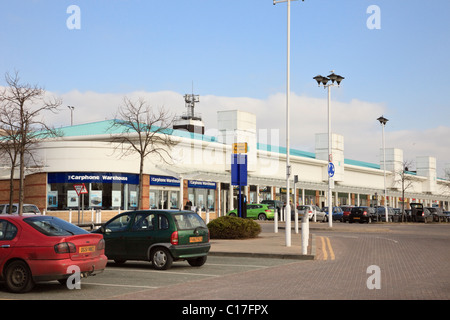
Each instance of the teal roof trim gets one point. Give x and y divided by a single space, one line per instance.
106 127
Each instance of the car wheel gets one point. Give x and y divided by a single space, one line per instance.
232 214
161 259
120 261
197 262
262 216
18 277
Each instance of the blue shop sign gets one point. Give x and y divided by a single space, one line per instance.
164 181
201 184
92 177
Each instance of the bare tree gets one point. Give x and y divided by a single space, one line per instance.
144 131
21 105
402 176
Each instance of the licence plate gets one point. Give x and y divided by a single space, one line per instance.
356 218
87 249
195 239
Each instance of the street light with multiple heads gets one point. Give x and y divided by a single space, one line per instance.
288 167
71 114
383 122
324 81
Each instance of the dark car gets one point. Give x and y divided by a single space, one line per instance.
362 214
346 212
381 214
419 213
159 236
438 214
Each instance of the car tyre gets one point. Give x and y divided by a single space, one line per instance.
18 277
161 258
197 262
120 261
262 216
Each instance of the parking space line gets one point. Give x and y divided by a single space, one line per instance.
118 285
169 272
236 265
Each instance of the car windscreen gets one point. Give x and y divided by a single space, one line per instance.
188 220
52 226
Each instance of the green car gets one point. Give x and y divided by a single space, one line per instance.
256 211
158 236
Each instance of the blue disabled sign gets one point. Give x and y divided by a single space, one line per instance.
331 169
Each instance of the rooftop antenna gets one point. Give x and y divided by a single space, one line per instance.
191 100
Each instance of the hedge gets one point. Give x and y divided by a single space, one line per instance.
233 228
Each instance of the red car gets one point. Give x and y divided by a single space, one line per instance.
44 248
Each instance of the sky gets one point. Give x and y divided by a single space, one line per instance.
233 54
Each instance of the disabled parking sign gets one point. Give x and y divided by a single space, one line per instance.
331 169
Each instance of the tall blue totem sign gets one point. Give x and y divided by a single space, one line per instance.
239 174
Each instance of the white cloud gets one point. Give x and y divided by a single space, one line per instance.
355 120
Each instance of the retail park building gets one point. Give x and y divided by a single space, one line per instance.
199 171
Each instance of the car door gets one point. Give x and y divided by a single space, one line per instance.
141 236
114 233
9 235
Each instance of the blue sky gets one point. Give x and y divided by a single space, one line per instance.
237 49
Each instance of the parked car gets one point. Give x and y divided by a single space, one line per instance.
28 209
362 214
276 204
158 236
447 215
42 248
381 214
438 214
311 210
346 212
256 211
337 213
419 213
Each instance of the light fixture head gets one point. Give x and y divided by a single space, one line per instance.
318 78
382 120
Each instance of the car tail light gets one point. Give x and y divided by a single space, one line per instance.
101 244
365 213
65 247
174 238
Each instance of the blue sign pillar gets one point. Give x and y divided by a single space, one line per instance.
239 175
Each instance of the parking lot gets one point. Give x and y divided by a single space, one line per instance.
127 280
413 261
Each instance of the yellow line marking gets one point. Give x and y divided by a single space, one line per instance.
324 249
331 249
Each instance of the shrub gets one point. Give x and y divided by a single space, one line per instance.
233 228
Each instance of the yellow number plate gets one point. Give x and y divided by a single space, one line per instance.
87 249
195 239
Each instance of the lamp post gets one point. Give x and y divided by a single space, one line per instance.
288 167
71 114
383 122
323 81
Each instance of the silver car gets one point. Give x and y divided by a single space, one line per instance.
28 209
312 211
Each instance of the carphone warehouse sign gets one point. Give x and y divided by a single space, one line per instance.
92 177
